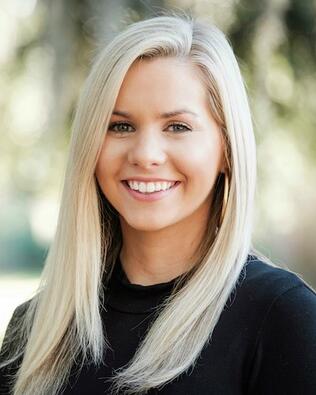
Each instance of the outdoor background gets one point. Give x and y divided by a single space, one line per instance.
45 52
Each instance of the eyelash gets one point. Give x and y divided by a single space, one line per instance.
112 125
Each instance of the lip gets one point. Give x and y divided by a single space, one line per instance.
146 179
149 197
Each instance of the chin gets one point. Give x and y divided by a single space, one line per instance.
151 224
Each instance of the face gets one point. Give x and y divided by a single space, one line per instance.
144 144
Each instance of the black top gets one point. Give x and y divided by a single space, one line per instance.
264 342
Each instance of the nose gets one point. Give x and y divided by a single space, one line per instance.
147 150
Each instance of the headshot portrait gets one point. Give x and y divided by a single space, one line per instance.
153 282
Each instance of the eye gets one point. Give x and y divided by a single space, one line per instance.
115 127
181 125
123 130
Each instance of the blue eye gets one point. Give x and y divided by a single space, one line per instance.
112 126
182 126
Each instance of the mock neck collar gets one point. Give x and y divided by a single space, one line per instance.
135 298
126 297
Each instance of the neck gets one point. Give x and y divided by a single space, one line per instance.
153 257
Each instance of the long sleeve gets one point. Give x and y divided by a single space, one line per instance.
285 357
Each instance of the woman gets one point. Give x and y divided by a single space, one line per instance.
152 284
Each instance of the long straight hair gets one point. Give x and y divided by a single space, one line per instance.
62 323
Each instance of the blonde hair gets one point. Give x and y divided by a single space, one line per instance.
62 322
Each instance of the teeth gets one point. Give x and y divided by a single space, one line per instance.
149 187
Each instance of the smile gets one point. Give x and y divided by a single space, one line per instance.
147 191
149 187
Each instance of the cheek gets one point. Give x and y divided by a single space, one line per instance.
201 162
100 170
107 162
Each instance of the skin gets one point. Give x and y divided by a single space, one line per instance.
160 237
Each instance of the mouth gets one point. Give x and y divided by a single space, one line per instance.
161 190
149 196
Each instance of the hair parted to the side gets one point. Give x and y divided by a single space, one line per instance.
62 323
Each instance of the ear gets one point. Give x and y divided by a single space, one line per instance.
223 168
224 164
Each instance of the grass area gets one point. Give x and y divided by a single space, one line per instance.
14 290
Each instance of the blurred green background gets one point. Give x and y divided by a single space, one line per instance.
45 53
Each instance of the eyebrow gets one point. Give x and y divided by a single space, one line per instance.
161 115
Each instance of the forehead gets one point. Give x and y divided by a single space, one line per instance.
163 78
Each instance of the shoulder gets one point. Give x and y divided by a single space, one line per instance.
14 323
288 299
269 298
284 352
19 312
263 283
21 309
12 347
284 296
